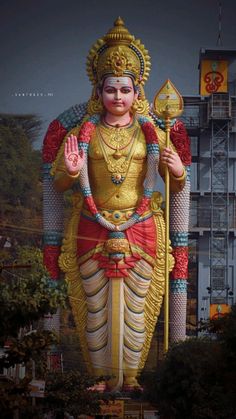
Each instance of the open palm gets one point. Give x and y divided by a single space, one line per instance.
74 159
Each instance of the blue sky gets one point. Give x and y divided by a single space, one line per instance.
45 45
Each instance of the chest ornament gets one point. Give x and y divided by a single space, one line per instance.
119 140
118 172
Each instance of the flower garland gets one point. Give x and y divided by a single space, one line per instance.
85 135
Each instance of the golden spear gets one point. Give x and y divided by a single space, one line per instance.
168 104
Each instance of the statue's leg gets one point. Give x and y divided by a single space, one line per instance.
135 290
96 287
105 322
116 332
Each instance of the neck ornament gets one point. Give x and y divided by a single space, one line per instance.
118 139
117 125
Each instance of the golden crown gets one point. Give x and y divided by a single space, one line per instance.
118 53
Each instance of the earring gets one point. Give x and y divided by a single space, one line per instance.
134 106
140 106
95 105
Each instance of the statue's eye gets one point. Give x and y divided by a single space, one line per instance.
110 90
125 90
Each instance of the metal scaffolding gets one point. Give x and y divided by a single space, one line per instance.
219 116
211 124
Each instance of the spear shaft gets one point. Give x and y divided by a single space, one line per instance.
168 104
167 234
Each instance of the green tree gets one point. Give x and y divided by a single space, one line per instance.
72 392
20 167
20 179
30 124
26 295
197 378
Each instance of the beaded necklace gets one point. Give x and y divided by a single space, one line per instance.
85 135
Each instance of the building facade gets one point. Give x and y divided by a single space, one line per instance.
210 119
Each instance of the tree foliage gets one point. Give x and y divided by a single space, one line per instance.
72 392
20 167
197 378
20 178
26 295
29 123
13 396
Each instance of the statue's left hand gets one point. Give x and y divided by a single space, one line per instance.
172 160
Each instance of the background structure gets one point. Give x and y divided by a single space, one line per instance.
211 123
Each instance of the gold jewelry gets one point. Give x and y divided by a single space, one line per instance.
116 217
140 106
117 246
95 105
73 176
117 125
182 177
119 138
117 164
120 54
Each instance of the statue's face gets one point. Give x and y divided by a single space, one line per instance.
118 95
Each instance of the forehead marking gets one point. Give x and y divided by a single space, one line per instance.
121 80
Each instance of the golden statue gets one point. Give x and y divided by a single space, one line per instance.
113 252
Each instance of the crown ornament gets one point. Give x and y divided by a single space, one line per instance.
118 53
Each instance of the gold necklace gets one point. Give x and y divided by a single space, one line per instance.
119 138
117 125
117 164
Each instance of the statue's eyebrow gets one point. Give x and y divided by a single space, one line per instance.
120 87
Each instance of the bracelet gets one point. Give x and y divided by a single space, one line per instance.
73 176
182 177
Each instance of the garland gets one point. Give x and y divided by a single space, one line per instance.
85 135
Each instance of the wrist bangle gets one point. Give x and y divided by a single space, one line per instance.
73 176
182 177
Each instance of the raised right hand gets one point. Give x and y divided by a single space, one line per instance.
74 159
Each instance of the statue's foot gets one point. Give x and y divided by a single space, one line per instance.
130 384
